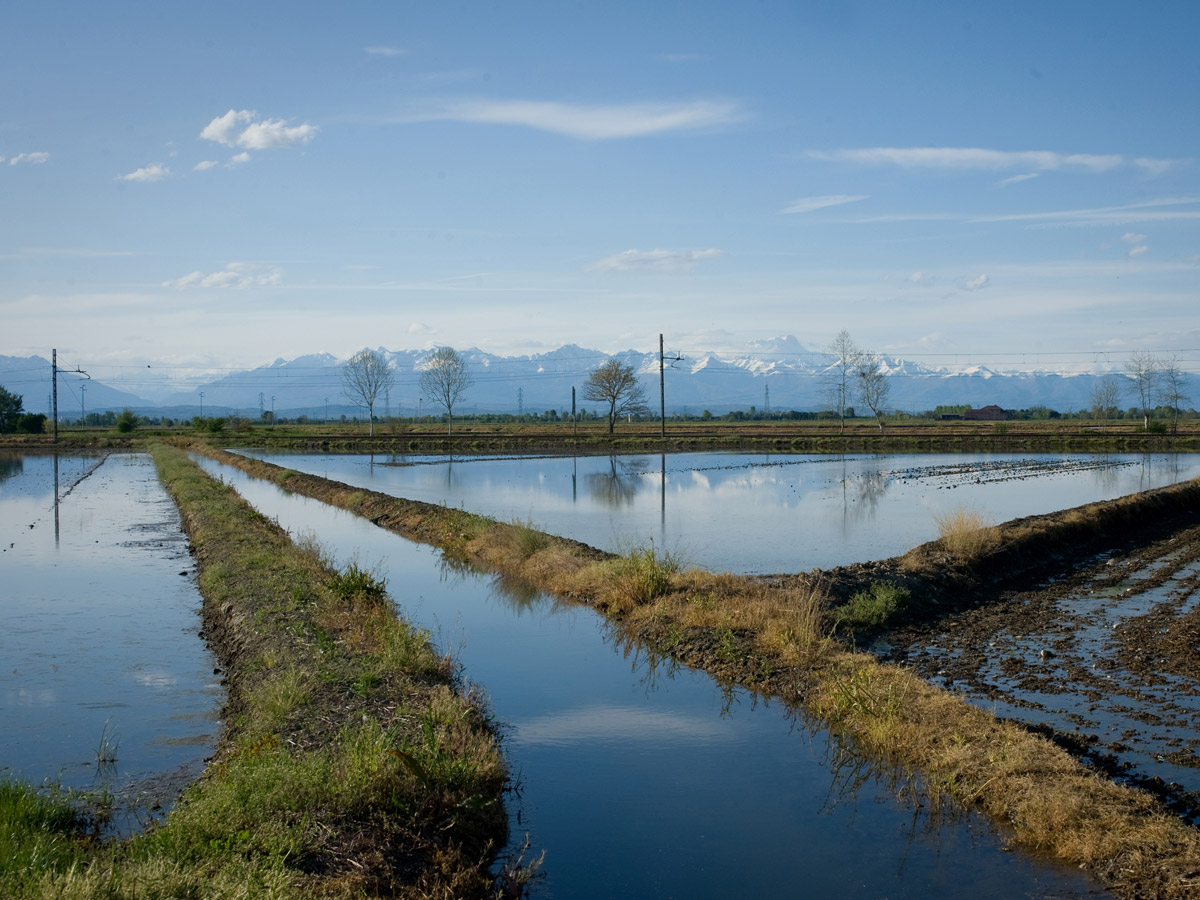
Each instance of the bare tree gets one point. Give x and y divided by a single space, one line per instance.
1143 370
872 384
444 378
365 376
839 376
1172 386
615 384
1106 394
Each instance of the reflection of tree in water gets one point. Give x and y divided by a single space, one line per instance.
1105 474
10 466
861 494
619 485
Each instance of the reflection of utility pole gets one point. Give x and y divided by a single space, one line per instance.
663 515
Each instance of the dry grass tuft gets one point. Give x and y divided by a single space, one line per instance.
966 532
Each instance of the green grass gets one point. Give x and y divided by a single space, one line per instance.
873 607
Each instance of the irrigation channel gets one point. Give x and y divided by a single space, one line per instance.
105 685
642 779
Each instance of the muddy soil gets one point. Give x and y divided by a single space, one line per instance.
1102 655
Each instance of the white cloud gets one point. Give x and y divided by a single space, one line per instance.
589 123
922 278
808 204
976 283
1017 179
965 158
205 165
155 172
242 128
1155 167
236 275
1139 250
1130 237
32 158
653 260
383 51
238 158
420 328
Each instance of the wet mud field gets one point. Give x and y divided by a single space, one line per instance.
1103 657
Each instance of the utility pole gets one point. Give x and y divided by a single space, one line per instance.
326 410
574 420
54 395
662 391
202 406
520 402
83 404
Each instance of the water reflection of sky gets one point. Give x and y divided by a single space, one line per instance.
98 630
643 780
753 512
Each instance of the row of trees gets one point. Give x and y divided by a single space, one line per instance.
1153 381
444 379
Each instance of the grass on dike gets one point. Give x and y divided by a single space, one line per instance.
778 637
352 765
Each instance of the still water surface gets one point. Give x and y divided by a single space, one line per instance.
99 631
641 781
752 513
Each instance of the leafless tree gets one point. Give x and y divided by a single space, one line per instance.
444 378
615 384
1143 369
1172 387
839 376
1106 394
872 384
365 376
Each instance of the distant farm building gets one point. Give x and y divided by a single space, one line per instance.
986 414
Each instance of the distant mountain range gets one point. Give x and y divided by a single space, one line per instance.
778 375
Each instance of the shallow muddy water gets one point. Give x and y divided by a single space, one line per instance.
752 513
104 681
641 780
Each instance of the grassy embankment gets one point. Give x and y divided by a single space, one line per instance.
351 764
859 436
774 635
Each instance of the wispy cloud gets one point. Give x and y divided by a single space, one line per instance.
33 159
237 276
652 260
243 128
1146 211
205 165
589 123
1139 250
383 51
1154 167
922 278
238 158
976 284
966 158
155 172
1131 237
1017 179
808 204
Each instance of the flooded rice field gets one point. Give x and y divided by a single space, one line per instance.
1108 656
751 513
642 779
104 683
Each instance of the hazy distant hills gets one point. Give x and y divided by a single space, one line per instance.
779 374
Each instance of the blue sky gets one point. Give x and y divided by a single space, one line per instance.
223 184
